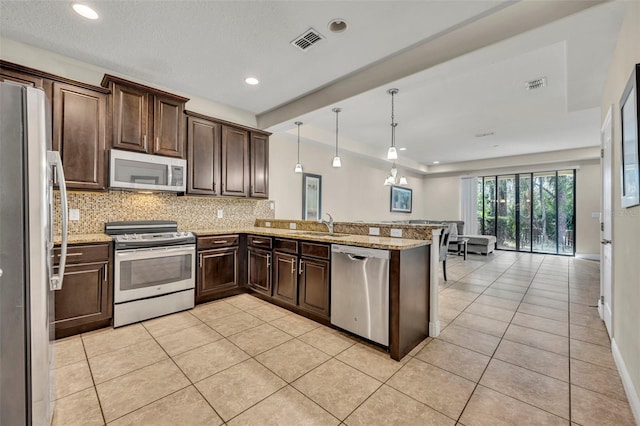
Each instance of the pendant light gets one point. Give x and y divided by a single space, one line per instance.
298 168
392 179
336 160
392 154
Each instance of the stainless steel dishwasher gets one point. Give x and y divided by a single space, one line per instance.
360 291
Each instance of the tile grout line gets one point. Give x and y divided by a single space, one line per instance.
95 387
495 350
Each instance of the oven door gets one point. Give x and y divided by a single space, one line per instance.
142 273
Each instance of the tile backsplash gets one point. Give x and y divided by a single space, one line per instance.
96 208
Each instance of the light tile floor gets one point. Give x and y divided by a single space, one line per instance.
521 344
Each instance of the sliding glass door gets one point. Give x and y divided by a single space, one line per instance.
506 211
544 238
531 212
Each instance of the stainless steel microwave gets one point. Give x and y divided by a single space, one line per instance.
144 172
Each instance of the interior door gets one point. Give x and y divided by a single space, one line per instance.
605 305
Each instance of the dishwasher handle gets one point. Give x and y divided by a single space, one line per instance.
356 257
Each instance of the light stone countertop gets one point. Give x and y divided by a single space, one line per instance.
84 238
388 243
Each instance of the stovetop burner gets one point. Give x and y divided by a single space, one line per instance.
146 234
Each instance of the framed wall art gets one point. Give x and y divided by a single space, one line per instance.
630 164
311 197
401 199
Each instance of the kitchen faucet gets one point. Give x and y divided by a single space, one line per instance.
329 223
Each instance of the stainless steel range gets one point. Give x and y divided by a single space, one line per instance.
154 270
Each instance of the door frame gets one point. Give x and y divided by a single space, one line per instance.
605 307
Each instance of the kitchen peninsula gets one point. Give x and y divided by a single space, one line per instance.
291 268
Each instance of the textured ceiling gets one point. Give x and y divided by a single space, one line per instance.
207 48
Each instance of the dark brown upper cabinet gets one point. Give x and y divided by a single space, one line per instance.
203 156
168 126
259 165
21 75
235 162
80 123
146 119
130 109
79 134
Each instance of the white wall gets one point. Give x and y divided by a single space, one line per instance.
63 66
442 197
353 192
446 190
626 222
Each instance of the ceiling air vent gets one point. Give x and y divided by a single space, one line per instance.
538 83
307 39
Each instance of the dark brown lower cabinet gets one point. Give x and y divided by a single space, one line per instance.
285 277
259 270
313 293
218 273
85 301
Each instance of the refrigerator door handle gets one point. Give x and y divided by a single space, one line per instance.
53 157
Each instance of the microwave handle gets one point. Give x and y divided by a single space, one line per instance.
170 176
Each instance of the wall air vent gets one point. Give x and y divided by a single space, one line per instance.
538 83
307 39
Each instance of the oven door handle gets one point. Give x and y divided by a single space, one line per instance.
130 252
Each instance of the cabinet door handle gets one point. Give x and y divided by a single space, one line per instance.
158 141
201 261
144 141
105 272
293 266
72 254
220 242
300 270
268 261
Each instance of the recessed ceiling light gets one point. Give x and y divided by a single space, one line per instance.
436 162
251 80
338 26
85 11
403 149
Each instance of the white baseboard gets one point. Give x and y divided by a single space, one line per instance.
588 256
600 309
632 393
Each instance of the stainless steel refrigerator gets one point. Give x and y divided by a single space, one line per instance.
27 279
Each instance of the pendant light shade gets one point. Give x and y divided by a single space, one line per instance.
298 168
403 180
392 154
336 160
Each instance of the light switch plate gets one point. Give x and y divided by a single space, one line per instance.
292 225
595 215
220 213
396 233
74 214
374 231
267 224
272 205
